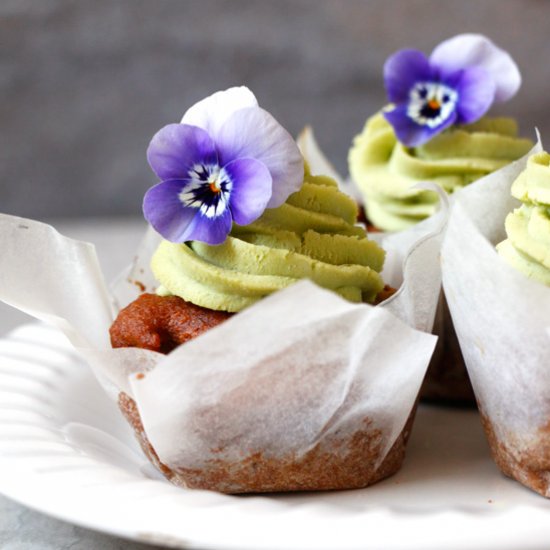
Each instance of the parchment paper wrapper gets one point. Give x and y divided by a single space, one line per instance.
302 377
447 380
501 318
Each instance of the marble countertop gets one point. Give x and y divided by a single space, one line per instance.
20 527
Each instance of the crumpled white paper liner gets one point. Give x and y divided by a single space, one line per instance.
501 317
278 377
418 309
411 253
281 374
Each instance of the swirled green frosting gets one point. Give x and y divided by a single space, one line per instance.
313 235
385 170
527 247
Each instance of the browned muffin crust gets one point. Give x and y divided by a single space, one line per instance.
336 463
387 292
530 465
161 323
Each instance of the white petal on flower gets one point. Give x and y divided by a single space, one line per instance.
215 210
467 50
255 133
188 196
211 112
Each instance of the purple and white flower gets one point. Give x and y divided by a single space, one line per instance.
227 161
457 84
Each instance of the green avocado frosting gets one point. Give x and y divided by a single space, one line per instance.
385 170
313 235
527 247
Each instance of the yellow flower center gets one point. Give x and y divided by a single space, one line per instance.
214 187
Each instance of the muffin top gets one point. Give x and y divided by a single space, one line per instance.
312 235
242 216
385 170
527 247
435 129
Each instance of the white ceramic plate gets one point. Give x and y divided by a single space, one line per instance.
66 451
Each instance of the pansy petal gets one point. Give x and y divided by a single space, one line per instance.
251 189
468 50
164 210
175 148
475 95
402 71
254 133
213 111
208 230
410 133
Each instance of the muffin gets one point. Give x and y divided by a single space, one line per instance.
312 235
209 275
436 130
300 390
505 344
526 248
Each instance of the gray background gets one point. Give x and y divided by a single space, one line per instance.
84 85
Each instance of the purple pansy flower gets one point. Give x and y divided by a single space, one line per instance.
456 85
227 161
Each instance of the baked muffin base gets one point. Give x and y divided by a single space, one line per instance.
336 463
530 466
